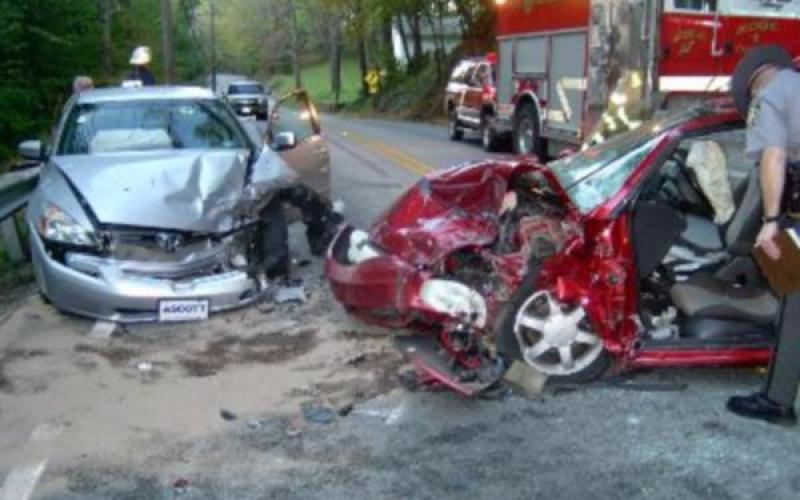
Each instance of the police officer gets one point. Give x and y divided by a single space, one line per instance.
765 88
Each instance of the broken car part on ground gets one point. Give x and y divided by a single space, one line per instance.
615 254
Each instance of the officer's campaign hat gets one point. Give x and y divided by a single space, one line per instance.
755 59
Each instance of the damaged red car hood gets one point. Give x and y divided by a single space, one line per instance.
450 209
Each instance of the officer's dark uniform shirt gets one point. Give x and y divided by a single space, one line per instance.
774 117
143 75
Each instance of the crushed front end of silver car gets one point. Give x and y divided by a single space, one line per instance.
208 213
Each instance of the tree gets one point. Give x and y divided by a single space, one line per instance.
167 36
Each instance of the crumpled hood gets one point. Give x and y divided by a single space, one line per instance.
447 210
189 190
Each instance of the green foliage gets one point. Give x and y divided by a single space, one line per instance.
46 43
316 80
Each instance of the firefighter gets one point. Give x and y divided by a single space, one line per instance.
764 87
140 75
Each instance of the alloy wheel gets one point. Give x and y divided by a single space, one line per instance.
553 338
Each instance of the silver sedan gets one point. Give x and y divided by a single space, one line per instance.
154 203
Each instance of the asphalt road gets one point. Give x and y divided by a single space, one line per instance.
82 423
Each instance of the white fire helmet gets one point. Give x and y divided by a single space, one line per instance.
141 56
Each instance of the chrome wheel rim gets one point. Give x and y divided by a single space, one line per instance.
553 338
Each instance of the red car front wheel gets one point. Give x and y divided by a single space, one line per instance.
554 338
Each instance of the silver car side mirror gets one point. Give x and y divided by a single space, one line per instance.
31 150
284 141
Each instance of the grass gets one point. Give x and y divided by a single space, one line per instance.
316 80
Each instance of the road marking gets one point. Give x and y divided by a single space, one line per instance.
406 161
21 481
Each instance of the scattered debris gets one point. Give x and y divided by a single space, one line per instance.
286 294
295 426
254 425
181 484
144 369
345 409
525 379
227 415
318 414
356 359
103 330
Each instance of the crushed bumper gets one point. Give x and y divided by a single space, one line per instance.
388 290
98 288
381 288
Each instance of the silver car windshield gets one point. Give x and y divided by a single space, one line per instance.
106 127
593 176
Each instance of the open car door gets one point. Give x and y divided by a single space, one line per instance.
295 132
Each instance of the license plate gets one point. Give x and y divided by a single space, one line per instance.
183 310
246 109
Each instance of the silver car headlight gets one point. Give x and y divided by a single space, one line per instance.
56 225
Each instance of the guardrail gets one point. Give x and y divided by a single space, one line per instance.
15 189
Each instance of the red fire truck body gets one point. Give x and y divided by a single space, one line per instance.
567 67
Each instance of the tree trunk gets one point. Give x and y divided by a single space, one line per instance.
298 80
336 60
437 54
416 35
362 64
166 33
106 14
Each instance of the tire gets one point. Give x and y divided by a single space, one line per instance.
488 135
596 362
526 130
261 117
454 130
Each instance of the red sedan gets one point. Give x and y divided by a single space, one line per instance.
635 252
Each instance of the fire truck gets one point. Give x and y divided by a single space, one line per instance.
570 71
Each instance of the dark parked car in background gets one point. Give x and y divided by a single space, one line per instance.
248 98
470 99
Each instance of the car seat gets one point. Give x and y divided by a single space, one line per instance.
704 243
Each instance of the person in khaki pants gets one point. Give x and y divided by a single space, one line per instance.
765 88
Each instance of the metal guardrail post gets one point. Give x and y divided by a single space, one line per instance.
15 189
11 240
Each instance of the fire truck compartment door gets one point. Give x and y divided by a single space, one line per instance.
567 83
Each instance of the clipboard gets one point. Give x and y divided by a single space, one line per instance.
783 274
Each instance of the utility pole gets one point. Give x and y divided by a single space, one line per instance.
213 51
166 31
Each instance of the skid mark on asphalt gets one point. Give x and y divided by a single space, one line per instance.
402 159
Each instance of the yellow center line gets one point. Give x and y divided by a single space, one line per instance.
405 161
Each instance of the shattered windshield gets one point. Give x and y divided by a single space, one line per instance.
593 176
107 127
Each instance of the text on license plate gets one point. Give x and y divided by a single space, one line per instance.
182 310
